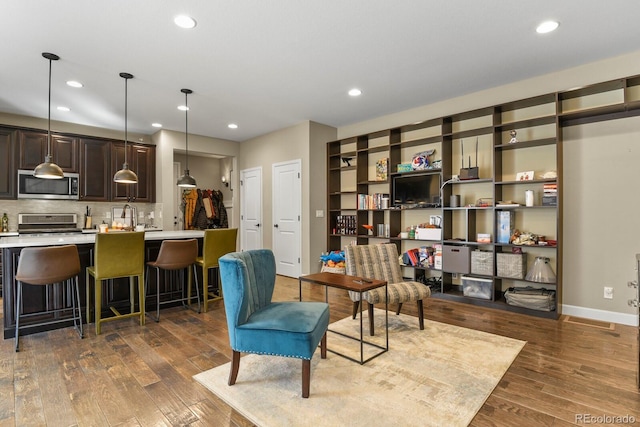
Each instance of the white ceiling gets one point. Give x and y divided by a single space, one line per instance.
266 65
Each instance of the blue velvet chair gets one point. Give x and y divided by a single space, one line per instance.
258 325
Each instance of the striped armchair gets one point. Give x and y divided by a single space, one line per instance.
381 262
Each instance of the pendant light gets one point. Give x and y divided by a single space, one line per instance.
48 169
186 180
125 175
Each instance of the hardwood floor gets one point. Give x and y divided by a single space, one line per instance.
132 375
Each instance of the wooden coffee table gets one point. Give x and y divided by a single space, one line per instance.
355 284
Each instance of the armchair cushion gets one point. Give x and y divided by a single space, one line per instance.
284 329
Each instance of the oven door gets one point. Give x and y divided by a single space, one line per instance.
30 187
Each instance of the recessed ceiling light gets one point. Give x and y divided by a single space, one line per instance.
232 126
156 125
355 92
547 27
64 109
183 108
184 21
74 83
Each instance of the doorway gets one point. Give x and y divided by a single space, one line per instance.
287 213
251 209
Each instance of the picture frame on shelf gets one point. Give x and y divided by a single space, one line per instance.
525 176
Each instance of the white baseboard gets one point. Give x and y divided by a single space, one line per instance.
602 315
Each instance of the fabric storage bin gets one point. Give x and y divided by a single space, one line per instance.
529 297
477 287
512 266
456 259
482 263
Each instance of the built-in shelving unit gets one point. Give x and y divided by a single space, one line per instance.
456 139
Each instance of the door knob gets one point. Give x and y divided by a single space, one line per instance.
633 303
275 225
633 284
257 225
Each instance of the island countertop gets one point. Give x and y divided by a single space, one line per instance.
84 239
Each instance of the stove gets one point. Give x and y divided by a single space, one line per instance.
47 224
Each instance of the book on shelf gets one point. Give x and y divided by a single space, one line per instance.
506 204
372 201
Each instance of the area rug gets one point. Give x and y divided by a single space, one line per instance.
440 376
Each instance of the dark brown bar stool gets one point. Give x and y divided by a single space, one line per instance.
175 256
49 266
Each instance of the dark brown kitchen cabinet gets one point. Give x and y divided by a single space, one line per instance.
8 161
33 148
142 160
65 152
95 170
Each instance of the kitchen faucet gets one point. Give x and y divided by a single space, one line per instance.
124 212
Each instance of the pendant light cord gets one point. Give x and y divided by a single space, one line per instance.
49 119
126 91
186 128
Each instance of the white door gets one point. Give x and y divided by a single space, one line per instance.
287 211
251 209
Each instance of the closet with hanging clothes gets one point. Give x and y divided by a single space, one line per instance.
204 209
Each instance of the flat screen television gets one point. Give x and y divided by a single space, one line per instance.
416 191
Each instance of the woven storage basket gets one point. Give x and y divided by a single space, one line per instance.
337 270
512 266
482 263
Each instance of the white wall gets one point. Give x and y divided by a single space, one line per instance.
295 142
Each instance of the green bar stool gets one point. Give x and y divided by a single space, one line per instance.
45 267
217 242
116 255
175 256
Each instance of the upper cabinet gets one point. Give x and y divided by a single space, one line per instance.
33 149
96 160
8 161
141 160
95 169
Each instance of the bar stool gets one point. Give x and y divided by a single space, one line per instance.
175 256
217 242
117 255
48 266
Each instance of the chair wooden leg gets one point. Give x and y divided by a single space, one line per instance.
399 308
356 306
306 377
235 366
421 314
323 346
205 289
371 331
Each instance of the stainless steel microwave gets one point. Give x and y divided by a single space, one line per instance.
30 187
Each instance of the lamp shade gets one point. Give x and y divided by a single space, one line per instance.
186 180
125 175
48 170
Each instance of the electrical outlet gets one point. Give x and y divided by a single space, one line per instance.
107 215
608 292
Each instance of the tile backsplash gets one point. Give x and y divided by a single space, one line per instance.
100 211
